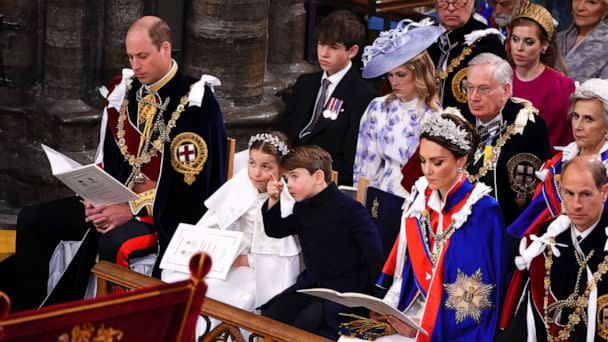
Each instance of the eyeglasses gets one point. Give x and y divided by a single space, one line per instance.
481 90
456 3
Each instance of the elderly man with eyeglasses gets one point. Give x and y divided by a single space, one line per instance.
513 137
463 39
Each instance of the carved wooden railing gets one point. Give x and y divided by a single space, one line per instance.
109 275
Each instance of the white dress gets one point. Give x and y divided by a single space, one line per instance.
388 137
274 263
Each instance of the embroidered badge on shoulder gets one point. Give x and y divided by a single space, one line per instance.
520 169
602 317
469 296
457 87
188 155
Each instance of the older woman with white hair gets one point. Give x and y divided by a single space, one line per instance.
584 44
589 118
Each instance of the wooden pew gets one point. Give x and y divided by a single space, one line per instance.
109 274
7 243
231 147
387 9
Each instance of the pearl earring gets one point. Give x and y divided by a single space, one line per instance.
459 170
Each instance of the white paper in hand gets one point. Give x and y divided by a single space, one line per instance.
222 246
89 182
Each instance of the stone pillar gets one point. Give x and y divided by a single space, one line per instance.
287 29
228 39
286 44
66 50
119 15
18 43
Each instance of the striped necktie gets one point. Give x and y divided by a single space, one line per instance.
318 109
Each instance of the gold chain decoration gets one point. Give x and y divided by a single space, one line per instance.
578 302
487 164
145 155
438 239
455 63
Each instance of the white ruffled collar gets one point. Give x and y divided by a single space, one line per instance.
419 201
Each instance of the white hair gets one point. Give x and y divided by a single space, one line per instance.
592 89
503 73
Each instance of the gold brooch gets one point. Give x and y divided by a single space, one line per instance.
188 155
457 91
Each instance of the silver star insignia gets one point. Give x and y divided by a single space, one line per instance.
469 296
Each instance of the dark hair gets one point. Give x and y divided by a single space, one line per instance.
551 57
160 32
311 158
269 148
597 169
341 27
471 135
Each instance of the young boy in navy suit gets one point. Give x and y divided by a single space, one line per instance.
341 247
325 107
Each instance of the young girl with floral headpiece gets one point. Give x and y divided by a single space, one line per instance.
265 266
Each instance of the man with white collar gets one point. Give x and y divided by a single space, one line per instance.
566 296
163 136
513 138
464 38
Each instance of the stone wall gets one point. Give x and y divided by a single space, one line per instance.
55 55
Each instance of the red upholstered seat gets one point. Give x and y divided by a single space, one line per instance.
167 312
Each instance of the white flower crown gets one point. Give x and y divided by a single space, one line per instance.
270 139
438 126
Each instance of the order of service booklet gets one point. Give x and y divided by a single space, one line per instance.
222 246
354 300
90 182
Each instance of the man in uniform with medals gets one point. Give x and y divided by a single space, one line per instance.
463 39
513 137
163 136
566 296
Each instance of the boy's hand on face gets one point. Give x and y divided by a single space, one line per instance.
274 188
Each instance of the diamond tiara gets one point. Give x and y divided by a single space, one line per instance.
438 126
270 139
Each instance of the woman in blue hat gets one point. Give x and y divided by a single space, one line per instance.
390 127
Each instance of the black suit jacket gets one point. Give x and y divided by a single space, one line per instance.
341 246
450 89
525 150
338 137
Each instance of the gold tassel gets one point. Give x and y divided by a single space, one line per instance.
366 328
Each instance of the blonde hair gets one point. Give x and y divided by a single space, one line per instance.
423 70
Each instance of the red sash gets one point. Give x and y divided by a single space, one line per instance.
132 140
430 281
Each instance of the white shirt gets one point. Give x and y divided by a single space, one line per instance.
334 80
582 235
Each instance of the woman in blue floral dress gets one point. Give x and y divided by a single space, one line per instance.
390 127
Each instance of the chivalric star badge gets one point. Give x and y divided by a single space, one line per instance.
469 296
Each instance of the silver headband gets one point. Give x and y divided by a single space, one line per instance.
270 139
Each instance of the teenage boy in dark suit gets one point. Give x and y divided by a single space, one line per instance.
325 107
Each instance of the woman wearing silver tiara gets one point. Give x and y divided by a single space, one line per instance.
265 266
390 127
447 269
